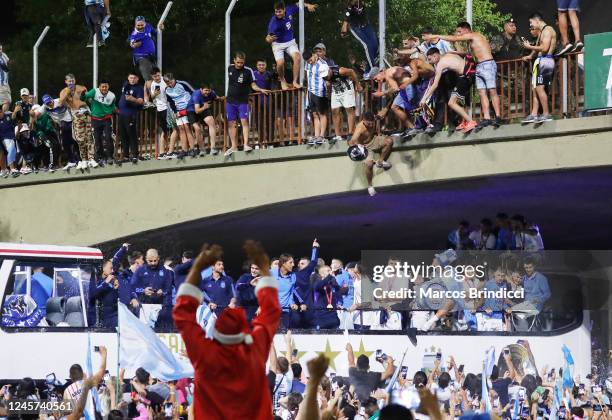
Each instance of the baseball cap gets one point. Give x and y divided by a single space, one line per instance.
24 127
24 91
510 20
47 98
320 46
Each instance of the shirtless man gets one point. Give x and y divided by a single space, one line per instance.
543 67
486 70
463 67
408 81
70 97
364 135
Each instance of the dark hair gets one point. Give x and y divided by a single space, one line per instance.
349 411
529 383
294 400
75 372
518 218
69 76
530 260
240 54
444 380
471 383
296 368
279 5
501 215
363 362
283 364
577 411
427 30
464 223
261 59
25 388
115 415
169 76
283 258
370 401
102 81
135 255
419 378
143 376
155 70
432 51
464 25
536 15
205 85
188 254
133 73
486 222
395 412
369 116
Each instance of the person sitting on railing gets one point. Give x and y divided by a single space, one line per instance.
200 112
178 94
543 68
486 70
565 9
142 42
280 35
365 135
464 69
218 289
507 45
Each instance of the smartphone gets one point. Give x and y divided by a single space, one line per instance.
521 394
506 350
581 386
50 378
461 368
168 409
596 407
332 375
107 376
562 413
97 349
404 372
595 389
439 356
294 353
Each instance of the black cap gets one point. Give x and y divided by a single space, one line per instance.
510 20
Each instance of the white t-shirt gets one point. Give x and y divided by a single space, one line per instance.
483 241
282 387
57 112
160 101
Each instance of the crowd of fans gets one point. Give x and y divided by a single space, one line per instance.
75 130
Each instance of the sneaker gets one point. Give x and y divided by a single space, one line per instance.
384 164
469 126
4 173
214 152
228 152
567 48
544 118
432 129
319 141
110 162
15 173
247 148
69 165
51 169
482 124
529 119
92 163
371 191
181 155
192 153
409 134
134 160
497 122
202 153
578 47
25 170
311 141
170 155
161 156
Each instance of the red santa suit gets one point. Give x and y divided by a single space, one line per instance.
230 379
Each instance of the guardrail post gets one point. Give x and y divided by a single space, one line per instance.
564 87
228 34
95 61
160 34
35 62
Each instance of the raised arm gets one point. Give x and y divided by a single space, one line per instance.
452 38
309 407
432 88
273 359
350 355
389 369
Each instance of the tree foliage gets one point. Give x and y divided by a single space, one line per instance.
194 35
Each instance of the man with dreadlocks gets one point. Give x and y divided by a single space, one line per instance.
408 80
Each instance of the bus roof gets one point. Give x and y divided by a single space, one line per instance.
54 251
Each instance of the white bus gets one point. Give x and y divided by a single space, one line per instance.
45 327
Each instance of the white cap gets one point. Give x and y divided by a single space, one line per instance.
24 91
23 127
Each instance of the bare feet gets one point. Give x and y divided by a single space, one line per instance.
285 85
297 85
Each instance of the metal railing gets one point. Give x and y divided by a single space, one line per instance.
276 119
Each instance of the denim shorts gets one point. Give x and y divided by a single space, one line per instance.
564 5
486 74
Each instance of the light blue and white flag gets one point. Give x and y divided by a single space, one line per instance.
206 318
487 368
568 369
396 373
89 412
139 346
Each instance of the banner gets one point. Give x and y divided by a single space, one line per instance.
598 71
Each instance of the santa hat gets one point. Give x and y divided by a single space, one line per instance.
232 327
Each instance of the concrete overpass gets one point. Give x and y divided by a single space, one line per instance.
109 203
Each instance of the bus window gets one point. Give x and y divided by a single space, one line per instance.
47 294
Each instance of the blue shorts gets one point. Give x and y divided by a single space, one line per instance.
406 98
565 5
486 74
237 111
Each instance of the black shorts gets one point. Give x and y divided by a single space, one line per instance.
317 103
198 118
162 120
462 89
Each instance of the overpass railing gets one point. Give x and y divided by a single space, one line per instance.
276 119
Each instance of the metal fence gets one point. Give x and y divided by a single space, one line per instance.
280 118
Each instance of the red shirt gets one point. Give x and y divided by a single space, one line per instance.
230 380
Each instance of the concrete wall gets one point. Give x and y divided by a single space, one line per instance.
88 208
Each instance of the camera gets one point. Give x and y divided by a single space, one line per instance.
439 356
521 394
404 372
506 350
97 349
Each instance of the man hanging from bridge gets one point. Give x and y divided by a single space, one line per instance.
233 363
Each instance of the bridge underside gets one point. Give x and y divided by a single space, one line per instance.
571 207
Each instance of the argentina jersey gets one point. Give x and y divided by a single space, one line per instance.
180 94
317 73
